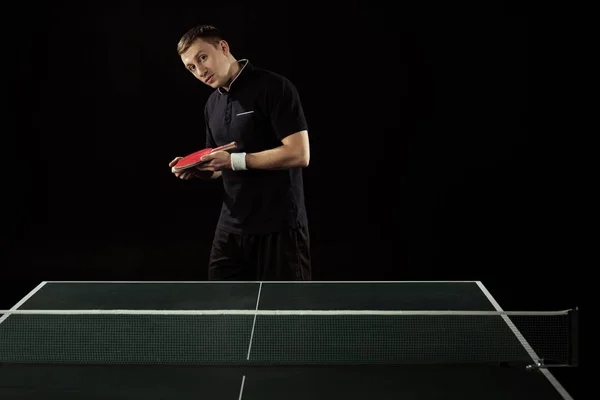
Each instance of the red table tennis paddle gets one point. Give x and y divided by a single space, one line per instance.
193 159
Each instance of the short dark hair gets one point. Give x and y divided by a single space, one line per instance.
206 32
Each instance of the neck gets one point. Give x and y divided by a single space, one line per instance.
233 72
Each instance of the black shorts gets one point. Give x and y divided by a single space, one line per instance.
283 256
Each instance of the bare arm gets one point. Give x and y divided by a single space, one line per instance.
294 152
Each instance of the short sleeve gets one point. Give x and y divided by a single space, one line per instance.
285 108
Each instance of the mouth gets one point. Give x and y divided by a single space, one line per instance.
209 78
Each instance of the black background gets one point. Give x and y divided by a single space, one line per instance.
426 160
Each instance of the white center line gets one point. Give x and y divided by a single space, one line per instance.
254 322
242 387
251 336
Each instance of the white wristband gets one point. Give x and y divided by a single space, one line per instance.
238 161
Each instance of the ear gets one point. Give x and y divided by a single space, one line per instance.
224 46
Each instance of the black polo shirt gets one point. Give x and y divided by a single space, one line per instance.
259 110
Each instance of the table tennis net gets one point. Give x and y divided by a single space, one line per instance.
272 337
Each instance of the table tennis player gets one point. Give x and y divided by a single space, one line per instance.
262 231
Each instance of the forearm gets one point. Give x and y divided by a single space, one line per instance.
278 158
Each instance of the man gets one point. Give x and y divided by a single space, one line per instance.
262 232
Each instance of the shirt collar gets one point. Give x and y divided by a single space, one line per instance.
244 66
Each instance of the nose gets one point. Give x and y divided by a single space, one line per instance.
201 73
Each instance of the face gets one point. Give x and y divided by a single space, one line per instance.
208 63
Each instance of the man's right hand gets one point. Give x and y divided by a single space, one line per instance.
190 173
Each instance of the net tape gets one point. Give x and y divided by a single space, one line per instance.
281 312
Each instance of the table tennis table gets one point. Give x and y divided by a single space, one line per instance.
277 340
